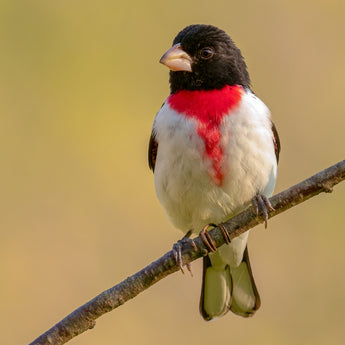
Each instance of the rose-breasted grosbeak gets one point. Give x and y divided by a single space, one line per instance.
213 150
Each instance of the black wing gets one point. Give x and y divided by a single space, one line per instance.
152 154
276 141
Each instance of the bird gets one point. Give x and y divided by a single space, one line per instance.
214 151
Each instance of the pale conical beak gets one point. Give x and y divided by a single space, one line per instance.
177 59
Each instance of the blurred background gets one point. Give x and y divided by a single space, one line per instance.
80 85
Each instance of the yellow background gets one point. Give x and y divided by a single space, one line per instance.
80 84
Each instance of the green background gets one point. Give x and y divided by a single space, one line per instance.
80 84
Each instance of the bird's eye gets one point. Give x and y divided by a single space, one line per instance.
206 53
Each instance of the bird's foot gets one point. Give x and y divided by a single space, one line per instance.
177 250
225 233
206 238
262 206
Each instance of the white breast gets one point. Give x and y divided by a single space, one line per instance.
250 156
183 181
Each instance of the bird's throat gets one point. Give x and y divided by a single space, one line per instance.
209 108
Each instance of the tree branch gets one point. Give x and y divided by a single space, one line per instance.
84 317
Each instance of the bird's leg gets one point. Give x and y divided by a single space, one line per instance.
262 204
177 250
206 238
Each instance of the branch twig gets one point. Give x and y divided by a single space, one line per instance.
84 317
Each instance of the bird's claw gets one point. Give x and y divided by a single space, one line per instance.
206 238
225 233
262 206
177 251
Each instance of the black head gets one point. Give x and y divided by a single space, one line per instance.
204 57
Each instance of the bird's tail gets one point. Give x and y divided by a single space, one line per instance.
226 288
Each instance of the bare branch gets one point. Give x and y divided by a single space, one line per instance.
84 317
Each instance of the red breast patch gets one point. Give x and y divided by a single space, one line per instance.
208 108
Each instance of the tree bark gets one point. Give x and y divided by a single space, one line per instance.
84 317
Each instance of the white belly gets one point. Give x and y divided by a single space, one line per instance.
183 179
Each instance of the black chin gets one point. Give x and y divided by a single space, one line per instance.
189 81
192 81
